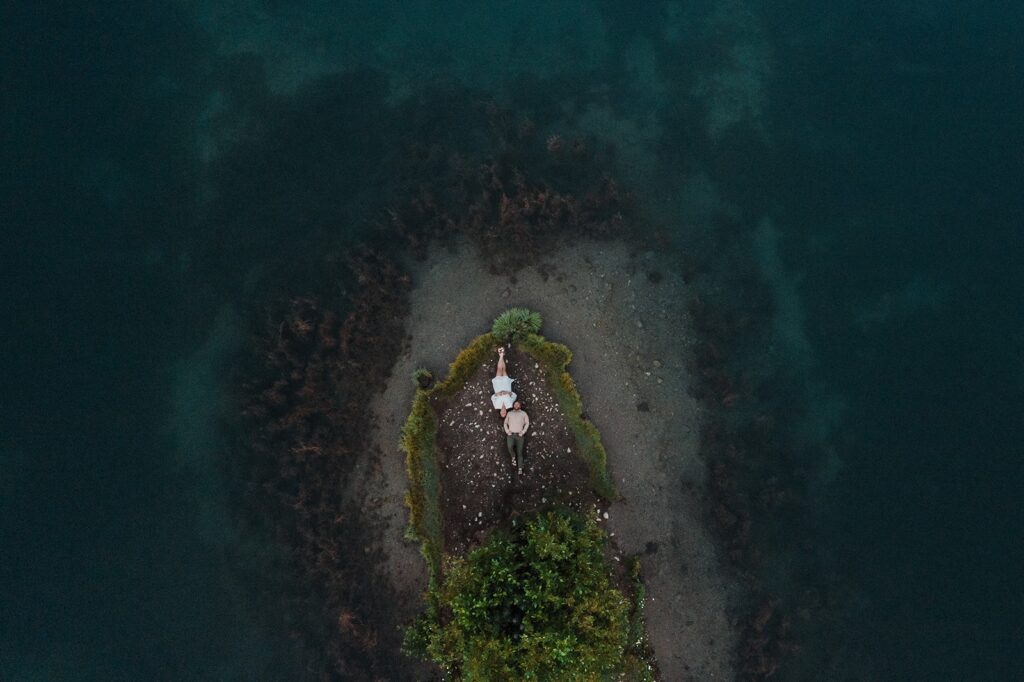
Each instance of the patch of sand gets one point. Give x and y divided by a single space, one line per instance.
624 316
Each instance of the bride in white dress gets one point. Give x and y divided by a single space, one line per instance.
504 396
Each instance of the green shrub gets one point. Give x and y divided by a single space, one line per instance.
422 378
533 603
515 324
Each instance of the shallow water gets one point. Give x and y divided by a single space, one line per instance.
870 150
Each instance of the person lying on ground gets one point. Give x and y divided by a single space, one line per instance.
516 424
503 397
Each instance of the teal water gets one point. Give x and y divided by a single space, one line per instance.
904 209
875 146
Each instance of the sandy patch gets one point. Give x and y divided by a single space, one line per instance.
624 315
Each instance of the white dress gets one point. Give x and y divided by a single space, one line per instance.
502 384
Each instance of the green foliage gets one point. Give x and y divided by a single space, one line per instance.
515 324
533 603
554 358
416 639
422 377
424 494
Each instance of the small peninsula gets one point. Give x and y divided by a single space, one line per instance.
634 386
523 578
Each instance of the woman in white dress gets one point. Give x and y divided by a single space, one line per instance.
503 396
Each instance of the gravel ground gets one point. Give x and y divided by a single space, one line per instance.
479 486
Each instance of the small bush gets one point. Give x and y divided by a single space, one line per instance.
422 378
515 324
533 603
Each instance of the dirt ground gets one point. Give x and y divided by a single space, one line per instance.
624 315
479 485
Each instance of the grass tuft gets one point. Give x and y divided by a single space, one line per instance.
422 378
515 324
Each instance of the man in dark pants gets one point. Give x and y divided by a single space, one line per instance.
516 424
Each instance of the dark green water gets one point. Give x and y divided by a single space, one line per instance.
903 127
880 145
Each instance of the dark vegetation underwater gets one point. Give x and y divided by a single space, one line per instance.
893 177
